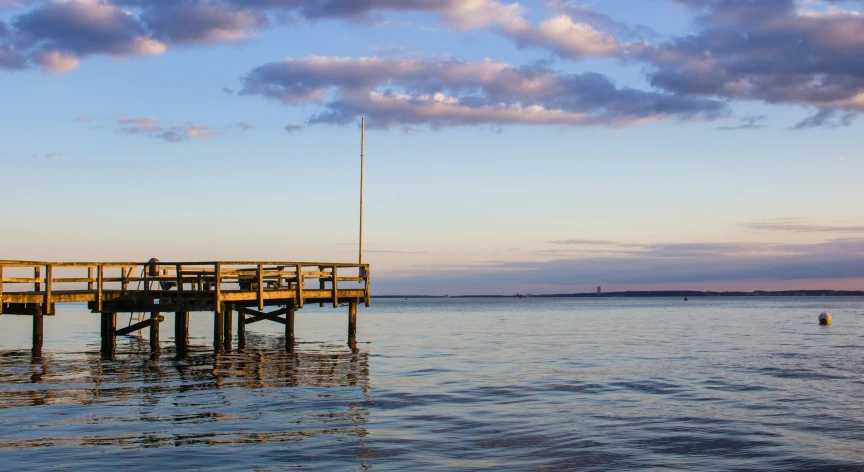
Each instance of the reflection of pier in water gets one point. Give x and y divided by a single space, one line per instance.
321 389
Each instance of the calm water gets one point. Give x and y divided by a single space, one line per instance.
510 384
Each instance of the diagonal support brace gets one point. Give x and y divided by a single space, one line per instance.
261 316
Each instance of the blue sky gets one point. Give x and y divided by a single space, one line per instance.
541 146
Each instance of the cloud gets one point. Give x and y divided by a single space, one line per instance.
748 122
661 263
16 3
57 34
565 38
152 127
245 125
294 128
396 252
200 22
10 58
228 90
827 118
843 159
441 92
82 119
769 51
585 242
52 154
796 226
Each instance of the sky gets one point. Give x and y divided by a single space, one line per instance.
543 146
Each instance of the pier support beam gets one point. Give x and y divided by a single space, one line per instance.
181 332
218 330
38 330
229 335
352 320
109 327
289 327
155 318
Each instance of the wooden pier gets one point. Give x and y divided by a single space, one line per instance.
221 288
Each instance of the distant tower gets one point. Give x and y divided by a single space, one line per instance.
599 290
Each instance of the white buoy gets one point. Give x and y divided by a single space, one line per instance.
825 318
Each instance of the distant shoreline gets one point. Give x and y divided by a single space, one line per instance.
658 294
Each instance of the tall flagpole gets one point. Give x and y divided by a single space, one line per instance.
362 158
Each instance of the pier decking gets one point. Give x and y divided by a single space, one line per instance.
222 288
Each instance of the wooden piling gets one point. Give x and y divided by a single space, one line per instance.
109 326
289 327
229 335
241 330
181 332
218 330
352 319
38 330
154 331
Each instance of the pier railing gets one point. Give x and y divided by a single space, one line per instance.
31 285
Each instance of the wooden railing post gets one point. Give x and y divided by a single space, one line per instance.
366 293
1 289
335 288
99 282
260 287
179 284
46 308
37 274
321 283
218 282
89 278
299 286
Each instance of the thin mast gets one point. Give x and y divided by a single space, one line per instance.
362 158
